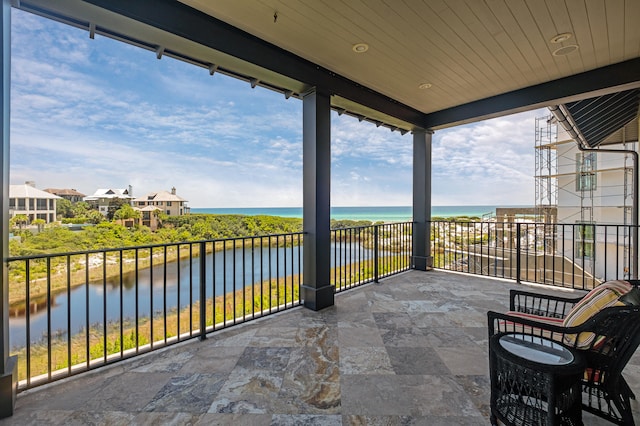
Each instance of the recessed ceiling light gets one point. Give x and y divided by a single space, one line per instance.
424 86
360 47
560 38
562 51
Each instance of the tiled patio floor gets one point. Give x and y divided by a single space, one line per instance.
411 350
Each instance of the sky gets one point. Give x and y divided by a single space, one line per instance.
89 114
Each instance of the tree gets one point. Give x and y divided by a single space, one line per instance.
20 220
114 206
64 208
39 223
81 209
126 212
94 216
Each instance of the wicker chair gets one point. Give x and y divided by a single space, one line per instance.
605 392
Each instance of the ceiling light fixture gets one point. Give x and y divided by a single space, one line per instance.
360 47
424 86
565 50
560 38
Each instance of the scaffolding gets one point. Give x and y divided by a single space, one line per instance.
546 168
584 187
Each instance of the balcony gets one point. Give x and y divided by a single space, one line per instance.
411 349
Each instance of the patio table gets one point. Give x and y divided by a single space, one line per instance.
534 381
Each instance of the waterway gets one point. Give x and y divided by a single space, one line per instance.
153 288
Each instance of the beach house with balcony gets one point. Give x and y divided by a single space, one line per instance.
153 204
169 203
32 202
72 195
104 197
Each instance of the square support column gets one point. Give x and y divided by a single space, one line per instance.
422 259
317 291
8 365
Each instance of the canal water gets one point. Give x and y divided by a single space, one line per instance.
152 289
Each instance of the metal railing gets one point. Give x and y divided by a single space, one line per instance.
369 253
567 255
72 312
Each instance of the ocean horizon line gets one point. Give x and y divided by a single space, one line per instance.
371 213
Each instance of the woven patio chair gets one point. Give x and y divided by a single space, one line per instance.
608 339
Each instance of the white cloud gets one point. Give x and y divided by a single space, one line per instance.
99 113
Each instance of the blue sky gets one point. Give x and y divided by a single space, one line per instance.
90 114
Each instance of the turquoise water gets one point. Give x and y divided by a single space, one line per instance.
374 214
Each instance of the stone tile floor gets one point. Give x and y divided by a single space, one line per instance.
411 350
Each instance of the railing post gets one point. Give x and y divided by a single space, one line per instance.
203 290
375 253
518 253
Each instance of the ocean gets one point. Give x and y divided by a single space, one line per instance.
374 214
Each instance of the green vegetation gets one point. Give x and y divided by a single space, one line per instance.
232 307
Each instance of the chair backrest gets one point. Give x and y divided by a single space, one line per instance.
618 336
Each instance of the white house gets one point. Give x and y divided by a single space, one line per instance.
26 199
104 196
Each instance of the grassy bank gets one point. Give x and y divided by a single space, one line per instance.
238 306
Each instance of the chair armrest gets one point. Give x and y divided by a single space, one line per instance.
505 323
541 304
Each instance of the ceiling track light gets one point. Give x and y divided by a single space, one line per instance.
403 132
254 82
92 30
341 111
212 69
361 118
159 52
288 94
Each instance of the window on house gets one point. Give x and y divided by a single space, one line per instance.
42 204
12 203
21 203
168 212
31 203
168 203
586 171
585 241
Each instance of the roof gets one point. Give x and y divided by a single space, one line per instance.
159 196
109 193
28 191
147 208
62 192
425 64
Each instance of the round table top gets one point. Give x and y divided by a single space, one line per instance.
536 349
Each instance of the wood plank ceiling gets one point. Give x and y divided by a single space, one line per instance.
428 63
466 50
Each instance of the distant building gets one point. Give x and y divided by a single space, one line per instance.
154 203
34 203
170 203
68 194
104 196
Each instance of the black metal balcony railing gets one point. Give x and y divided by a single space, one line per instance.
71 312
568 255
